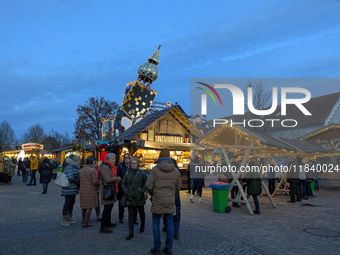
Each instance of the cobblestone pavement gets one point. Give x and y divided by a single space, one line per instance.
30 224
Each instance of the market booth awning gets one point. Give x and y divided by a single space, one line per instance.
237 139
327 137
243 142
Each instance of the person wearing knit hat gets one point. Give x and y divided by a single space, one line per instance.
76 158
164 154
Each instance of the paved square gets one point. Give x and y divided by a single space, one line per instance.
30 224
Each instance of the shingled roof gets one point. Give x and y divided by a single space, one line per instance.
280 143
140 126
320 108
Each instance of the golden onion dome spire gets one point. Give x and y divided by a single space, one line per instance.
148 72
155 57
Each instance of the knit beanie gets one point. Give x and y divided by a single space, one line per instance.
75 158
164 153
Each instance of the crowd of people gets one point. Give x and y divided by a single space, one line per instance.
130 185
26 167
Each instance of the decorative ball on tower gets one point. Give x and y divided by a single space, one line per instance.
148 72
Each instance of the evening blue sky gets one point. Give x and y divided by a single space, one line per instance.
54 55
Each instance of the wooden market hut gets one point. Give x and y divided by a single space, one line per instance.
327 137
84 151
245 143
166 129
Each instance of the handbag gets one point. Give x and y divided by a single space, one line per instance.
62 180
109 192
122 201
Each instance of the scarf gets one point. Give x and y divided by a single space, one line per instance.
114 173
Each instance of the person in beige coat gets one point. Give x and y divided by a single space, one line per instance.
89 186
108 172
11 169
163 183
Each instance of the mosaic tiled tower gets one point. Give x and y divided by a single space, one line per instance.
138 97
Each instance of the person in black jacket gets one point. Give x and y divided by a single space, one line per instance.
121 170
189 179
27 164
45 171
177 216
21 167
293 179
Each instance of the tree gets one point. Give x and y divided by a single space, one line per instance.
34 134
66 139
88 123
59 140
6 135
261 101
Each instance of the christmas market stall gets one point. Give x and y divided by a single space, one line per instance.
327 137
29 149
165 129
245 144
82 150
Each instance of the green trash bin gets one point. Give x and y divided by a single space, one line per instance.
312 185
220 197
60 169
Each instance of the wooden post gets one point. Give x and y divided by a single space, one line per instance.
235 180
268 194
282 183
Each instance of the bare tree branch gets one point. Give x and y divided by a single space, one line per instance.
6 135
88 123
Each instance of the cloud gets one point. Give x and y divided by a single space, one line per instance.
56 59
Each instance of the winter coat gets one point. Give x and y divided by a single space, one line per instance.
72 172
45 171
133 186
177 217
121 170
11 167
107 178
89 186
1 163
293 172
27 163
164 181
55 170
197 177
34 164
21 166
302 173
254 186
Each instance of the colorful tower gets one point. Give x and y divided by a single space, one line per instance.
138 97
